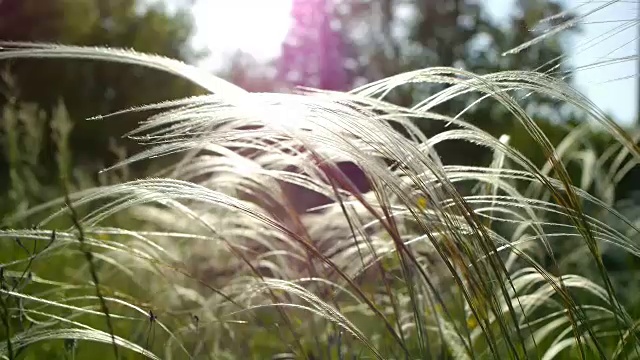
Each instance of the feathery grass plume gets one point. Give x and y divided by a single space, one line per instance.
584 14
224 257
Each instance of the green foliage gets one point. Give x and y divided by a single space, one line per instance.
32 177
88 88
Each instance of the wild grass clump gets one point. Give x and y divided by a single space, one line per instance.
218 259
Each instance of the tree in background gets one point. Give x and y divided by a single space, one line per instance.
244 70
91 88
410 34
316 52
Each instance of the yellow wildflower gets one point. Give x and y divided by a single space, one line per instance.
472 322
103 237
422 202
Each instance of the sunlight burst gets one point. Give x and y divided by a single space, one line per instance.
257 27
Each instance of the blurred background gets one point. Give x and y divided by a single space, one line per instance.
277 45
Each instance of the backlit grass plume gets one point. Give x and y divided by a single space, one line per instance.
616 22
258 243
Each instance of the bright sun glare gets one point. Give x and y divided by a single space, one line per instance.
257 27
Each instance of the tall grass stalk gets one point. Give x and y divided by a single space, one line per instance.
436 260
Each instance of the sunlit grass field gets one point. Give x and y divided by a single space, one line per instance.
212 257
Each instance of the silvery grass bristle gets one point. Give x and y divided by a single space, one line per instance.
583 15
412 268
